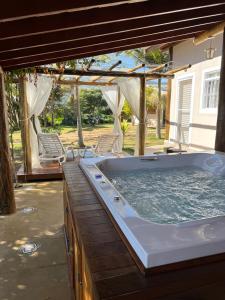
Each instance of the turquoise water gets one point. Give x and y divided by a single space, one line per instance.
171 196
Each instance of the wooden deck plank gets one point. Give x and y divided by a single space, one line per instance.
51 172
109 248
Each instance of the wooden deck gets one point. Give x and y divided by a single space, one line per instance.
102 265
46 172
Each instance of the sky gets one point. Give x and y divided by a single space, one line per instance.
129 62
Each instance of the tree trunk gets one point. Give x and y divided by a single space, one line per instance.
53 120
158 110
7 199
78 116
45 121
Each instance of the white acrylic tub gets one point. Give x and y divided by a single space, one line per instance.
160 244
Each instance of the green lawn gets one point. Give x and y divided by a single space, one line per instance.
68 136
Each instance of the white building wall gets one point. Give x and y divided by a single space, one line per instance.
203 123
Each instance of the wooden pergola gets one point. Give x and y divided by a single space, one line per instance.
107 78
43 32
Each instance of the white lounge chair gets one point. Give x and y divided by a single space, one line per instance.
104 146
105 143
51 148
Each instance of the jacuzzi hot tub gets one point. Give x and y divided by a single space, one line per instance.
185 229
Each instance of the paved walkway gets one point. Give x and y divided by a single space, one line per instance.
42 275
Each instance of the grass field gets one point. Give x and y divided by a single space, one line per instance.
68 137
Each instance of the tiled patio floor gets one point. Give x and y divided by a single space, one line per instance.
42 275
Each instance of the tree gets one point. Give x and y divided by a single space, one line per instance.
54 107
151 98
155 56
93 104
13 103
124 128
76 98
126 111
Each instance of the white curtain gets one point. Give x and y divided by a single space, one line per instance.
38 91
115 103
131 91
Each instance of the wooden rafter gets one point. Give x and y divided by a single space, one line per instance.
89 51
167 46
65 31
27 9
116 31
88 18
110 69
129 71
98 42
70 54
214 31
157 69
178 69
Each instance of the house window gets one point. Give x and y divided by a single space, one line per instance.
211 90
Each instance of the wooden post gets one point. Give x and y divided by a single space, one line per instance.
76 98
142 117
25 127
7 199
168 99
119 99
220 127
158 109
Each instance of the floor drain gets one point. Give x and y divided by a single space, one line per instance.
29 248
28 210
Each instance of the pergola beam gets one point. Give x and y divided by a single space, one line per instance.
116 31
110 69
212 32
89 51
105 73
75 82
